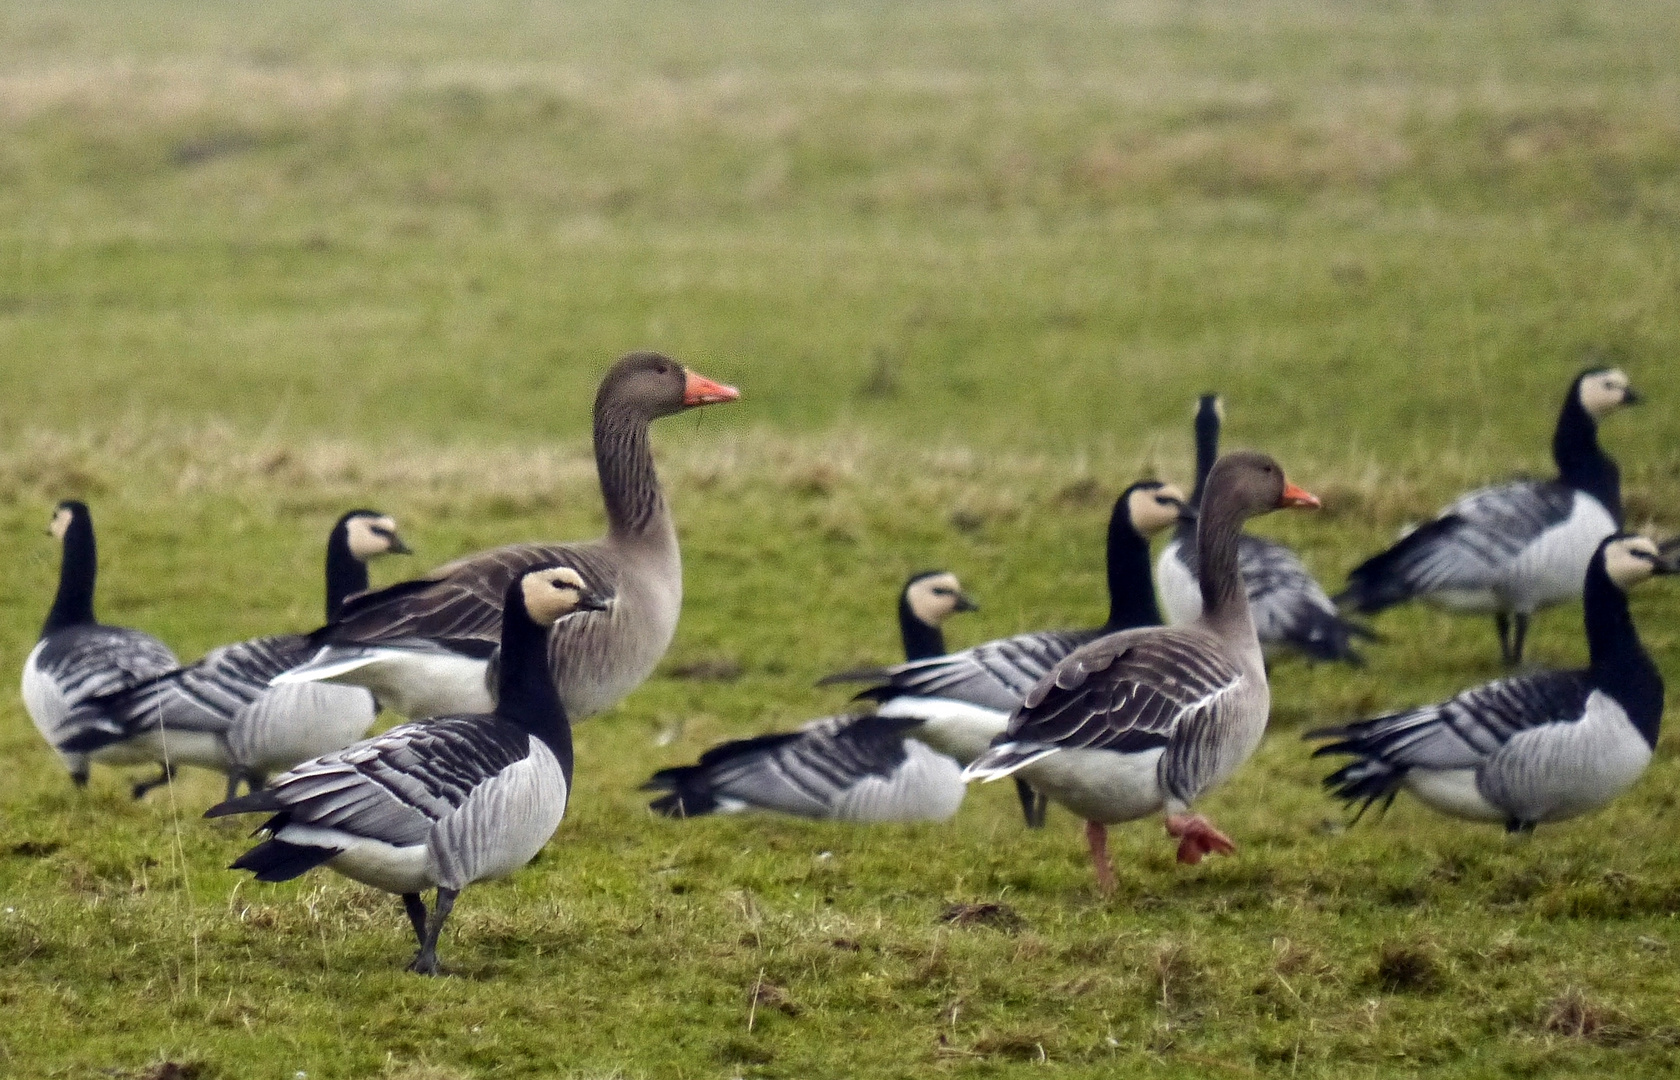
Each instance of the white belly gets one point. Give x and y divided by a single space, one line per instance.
1100 785
956 729
1553 568
418 683
1181 596
1452 792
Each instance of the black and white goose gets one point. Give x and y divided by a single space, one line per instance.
962 701
1531 748
221 713
838 768
77 658
439 803
423 647
1517 547
1152 718
1290 609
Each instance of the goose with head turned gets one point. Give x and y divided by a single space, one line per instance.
1291 611
962 701
442 803
861 769
78 658
1517 547
1152 718
221 713
423 647
1532 748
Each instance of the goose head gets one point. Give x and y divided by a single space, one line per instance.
935 595
553 593
1152 506
653 386
368 533
64 515
1253 483
1630 559
1602 391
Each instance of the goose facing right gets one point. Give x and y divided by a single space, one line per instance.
1152 718
439 803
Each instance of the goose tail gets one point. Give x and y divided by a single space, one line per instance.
1005 759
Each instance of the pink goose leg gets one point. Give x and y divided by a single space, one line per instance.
1096 835
1197 837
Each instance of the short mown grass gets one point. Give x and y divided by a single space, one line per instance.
970 263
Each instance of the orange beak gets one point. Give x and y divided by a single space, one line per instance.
700 390
1297 497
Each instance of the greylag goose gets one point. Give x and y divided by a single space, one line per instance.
221 713
1290 609
423 646
1517 547
1531 748
78 658
1152 718
962 701
439 803
837 768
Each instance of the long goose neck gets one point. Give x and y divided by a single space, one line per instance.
1619 664
1131 586
1581 462
624 462
1218 529
77 572
1207 444
346 574
525 693
920 640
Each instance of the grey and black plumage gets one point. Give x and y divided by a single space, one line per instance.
423 647
1513 548
221 713
439 803
838 768
1290 608
1531 748
77 658
1151 718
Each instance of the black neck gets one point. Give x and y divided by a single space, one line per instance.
1207 452
624 462
1218 530
1581 462
1619 665
346 574
73 606
1131 588
920 640
525 693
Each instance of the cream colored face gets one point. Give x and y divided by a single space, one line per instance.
60 524
1604 392
933 599
1631 560
1154 509
552 594
370 536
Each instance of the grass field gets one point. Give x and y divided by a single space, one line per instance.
970 262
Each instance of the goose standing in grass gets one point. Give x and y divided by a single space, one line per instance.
959 703
423 647
221 713
837 768
1290 609
439 803
1531 748
1517 547
77 658
1152 718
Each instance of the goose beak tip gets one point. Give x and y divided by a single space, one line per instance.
1298 498
699 390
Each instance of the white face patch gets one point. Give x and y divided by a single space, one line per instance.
1604 392
1154 509
1628 562
370 536
60 524
552 594
933 599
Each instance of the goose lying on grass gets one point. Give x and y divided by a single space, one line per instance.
837 768
221 713
440 803
1517 547
1153 718
423 646
1532 748
77 658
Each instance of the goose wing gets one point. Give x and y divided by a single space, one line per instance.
1288 604
82 663
995 675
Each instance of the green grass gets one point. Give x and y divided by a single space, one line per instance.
970 263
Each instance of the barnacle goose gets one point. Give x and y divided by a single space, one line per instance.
1531 748
439 803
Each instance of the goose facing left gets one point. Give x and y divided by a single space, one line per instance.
78 658
440 803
